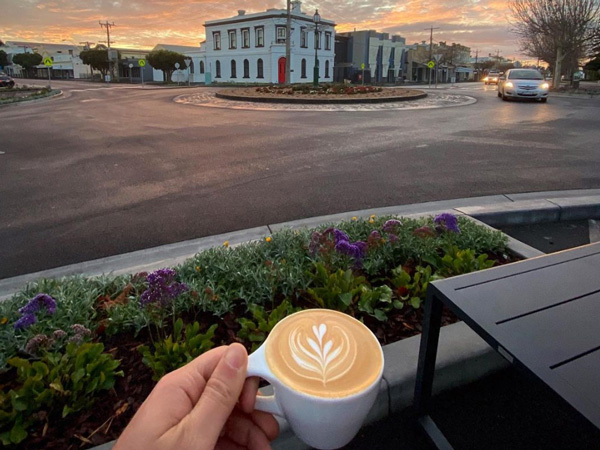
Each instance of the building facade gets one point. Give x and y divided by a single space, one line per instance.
251 48
383 57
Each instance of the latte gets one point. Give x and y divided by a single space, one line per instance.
324 353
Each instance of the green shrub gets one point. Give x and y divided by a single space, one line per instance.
59 383
339 290
177 349
413 290
256 329
378 302
457 262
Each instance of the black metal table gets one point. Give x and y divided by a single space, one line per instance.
542 315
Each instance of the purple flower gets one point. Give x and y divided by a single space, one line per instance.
447 221
391 225
37 302
393 237
348 249
38 342
59 334
362 246
80 330
340 236
375 235
162 288
25 321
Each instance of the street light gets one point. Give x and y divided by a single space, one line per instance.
316 19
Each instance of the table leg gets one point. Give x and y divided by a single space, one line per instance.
428 353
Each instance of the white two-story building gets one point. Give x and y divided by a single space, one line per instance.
250 48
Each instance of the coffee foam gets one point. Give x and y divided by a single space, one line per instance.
324 353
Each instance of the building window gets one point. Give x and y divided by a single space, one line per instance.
192 67
201 66
259 69
246 68
327 41
232 39
246 38
327 69
318 40
303 71
218 69
217 40
280 34
303 38
233 74
260 36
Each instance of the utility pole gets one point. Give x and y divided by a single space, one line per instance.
476 64
431 49
108 26
288 43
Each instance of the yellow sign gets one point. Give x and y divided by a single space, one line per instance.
142 62
48 62
362 66
431 64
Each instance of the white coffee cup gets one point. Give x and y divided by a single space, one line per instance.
327 358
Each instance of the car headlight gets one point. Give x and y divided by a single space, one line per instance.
544 86
486 79
509 84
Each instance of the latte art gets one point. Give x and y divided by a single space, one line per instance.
327 362
324 353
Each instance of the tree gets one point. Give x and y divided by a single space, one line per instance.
27 60
3 58
559 28
165 60
97 59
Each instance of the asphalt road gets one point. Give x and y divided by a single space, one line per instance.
104 171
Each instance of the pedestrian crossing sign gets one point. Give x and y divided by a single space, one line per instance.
48 62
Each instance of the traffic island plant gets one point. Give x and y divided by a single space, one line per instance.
137 328
24 93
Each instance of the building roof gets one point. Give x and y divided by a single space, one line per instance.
268 14
177 48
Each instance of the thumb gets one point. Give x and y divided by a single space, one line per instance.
221 393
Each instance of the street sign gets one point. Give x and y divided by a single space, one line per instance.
437 57
177 65
130 66
48 62
431 64
362 66
142 62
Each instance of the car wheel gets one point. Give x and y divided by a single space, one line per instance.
499 94
504 97
544 100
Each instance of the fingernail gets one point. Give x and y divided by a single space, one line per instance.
235 357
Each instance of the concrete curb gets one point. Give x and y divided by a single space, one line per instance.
318 101
494 210
58 94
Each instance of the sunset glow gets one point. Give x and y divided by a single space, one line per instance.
479 24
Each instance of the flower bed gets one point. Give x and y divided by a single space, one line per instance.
24 93
65 343
322 89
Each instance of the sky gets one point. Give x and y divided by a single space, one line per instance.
479 24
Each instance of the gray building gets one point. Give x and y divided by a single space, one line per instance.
383 57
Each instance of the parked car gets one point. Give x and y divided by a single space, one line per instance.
492 78
524 83
6 81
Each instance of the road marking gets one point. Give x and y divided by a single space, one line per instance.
2 153
504 142
422 145
90 100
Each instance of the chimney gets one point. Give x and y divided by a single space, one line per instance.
241 12
297 7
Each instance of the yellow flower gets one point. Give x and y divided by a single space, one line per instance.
197 268
371 221
226 244
354 219
372 216
4 320
268 239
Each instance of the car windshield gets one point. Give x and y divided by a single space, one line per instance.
525 75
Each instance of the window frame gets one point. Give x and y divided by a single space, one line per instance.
260 68
202 67
232 43
328 40
303 37
233 67
217 69
279 40
327 68
245 31
216 40
303 68
258 40
246 68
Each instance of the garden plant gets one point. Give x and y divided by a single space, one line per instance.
71 343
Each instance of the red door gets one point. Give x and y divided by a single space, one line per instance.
281 70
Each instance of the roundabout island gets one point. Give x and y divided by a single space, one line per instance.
323 94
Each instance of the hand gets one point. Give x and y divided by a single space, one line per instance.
207 404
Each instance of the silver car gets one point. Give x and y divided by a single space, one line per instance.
523 83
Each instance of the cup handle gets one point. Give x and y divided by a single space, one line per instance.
257 367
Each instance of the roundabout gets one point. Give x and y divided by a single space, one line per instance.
234 99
